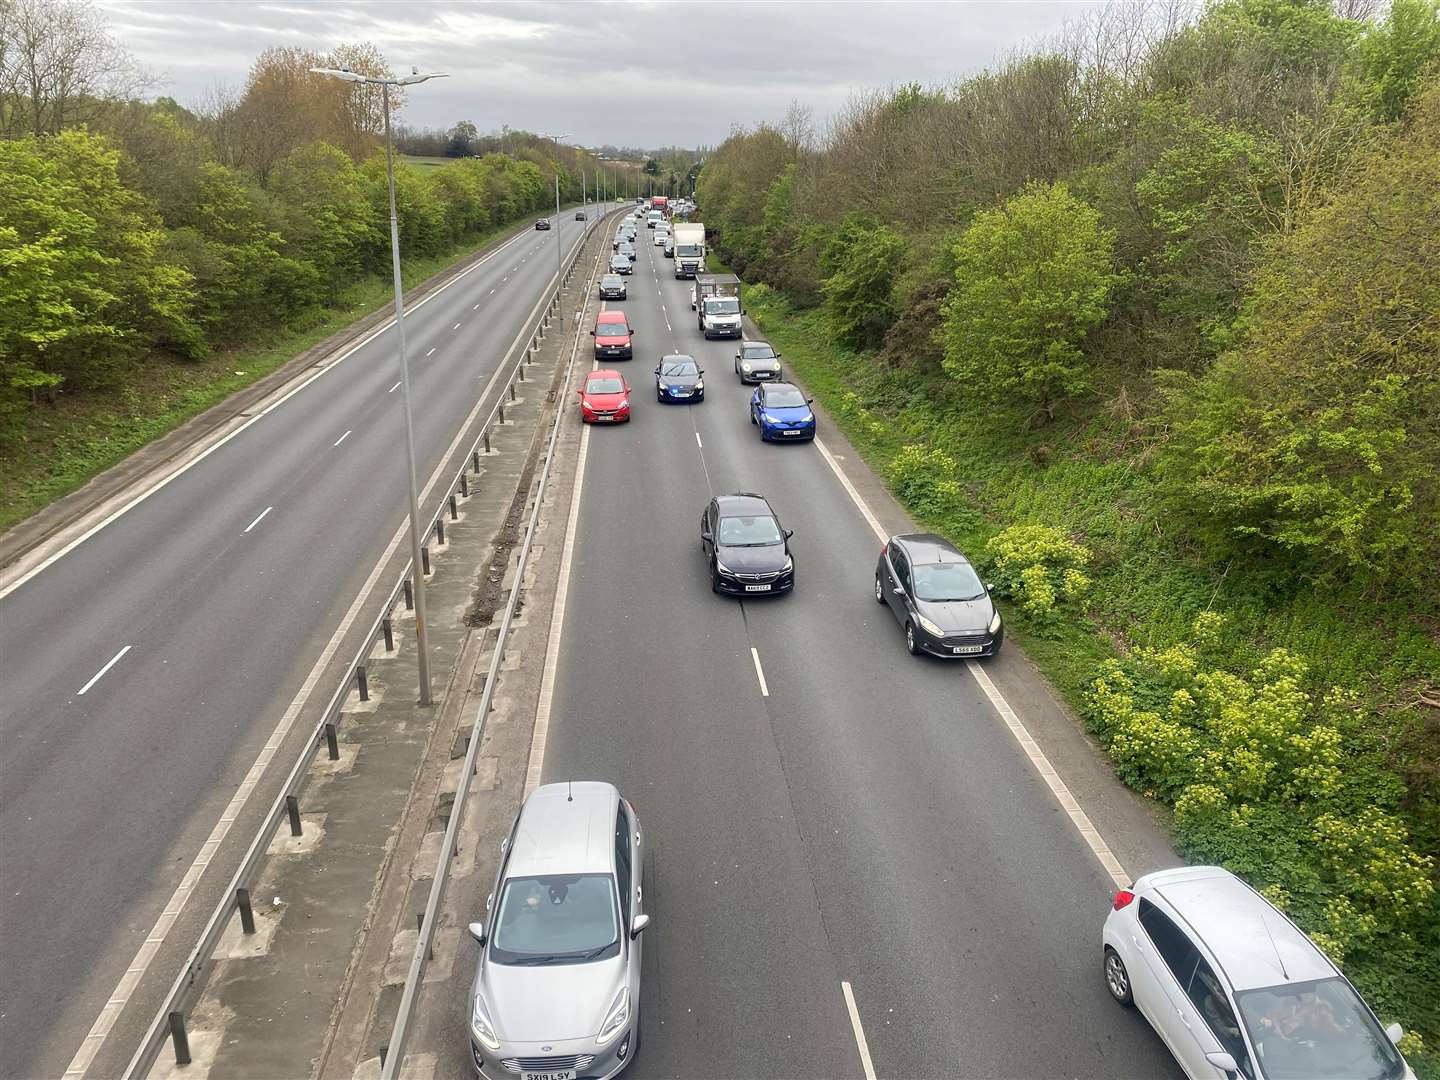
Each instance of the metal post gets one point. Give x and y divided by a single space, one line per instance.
487 440
387 625
500 411
177 1036
475 459
421 649
440 530
454 507
424 560
332 741
292 807
559 251
409 596
247 914
464 484
512 391
362 683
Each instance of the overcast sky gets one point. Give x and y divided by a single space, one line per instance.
626 72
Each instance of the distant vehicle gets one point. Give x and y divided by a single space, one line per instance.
612 336
936 595
669 249
757 362
679 378
627 249
543 225
719 316
620 264
782 413
1234 988
604 398
660 238
556 992
714 285
617 240
579 215
653 218
689 250
660 202
748 551
612 287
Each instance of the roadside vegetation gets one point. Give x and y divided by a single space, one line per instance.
1148 320
154 258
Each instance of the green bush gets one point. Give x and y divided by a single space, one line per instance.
1038 567
923 479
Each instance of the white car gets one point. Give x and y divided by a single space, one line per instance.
1234 988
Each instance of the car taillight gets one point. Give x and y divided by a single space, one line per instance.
1123 898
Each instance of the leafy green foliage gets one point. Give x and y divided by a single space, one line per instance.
1397 55
1040 568
862 261
1031 279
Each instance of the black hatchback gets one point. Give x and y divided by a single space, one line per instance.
939 599
747 549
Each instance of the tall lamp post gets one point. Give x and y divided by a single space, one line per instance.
416 560
559 247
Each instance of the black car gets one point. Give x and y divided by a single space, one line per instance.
579 215
620 264
543 225
612 287
745 546
679 378
937 596
757 362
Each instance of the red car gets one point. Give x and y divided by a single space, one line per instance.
612 336
605 397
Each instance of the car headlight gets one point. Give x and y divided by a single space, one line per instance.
624 403
722 568
482 1025
747 366
789 565
616 1018
929 627
700 385
995 623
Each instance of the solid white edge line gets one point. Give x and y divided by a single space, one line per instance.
860 1042
116 1003
99 674
259 519
1083 825
342 438
759 671
50 560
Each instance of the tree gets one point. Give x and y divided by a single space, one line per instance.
863 260
1396 55
1031 279
461 136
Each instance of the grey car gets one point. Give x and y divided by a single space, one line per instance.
556 994
612 287
757 362
937 596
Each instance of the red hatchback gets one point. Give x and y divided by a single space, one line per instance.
605 397
612 336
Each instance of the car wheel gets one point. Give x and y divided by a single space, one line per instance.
1117 979
879 592
659 396
752 418
714 580
910 645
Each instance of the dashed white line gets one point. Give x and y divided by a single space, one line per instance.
492 292
262 516
698 442
503 280
759 672
342 438
432 350
860 1042
96 677
455 327
393 388
475 306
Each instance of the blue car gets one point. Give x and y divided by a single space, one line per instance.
679 378
782 413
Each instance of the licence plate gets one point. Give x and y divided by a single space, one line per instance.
794 433
757 588
966 650
566 1074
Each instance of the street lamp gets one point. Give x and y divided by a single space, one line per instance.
416 562
559 247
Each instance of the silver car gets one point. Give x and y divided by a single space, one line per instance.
556 994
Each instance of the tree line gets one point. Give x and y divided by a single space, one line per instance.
1224 225
136 232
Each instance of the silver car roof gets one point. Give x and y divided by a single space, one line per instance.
1238 926
566 828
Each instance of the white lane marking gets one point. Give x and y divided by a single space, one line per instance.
698 442
342 438
455 327
97 676
432 350
1083 825
24 576
91 1045
492 293
474 307
393 388
759 671
259 519
860 1042
505 279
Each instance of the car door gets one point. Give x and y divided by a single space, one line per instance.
1171 959
755 399
707 529
628 875
900 575
1215 1022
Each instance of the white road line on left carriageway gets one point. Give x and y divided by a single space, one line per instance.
860 1042
759 671
342 438
393 388
259 519
99 674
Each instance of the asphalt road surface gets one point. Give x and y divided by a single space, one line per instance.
862 816
217 594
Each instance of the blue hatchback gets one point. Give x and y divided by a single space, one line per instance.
782 413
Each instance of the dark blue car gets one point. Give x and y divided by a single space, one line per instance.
782 413
679 378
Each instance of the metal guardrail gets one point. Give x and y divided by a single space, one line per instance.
169 1020
393 1055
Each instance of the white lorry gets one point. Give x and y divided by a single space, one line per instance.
689 243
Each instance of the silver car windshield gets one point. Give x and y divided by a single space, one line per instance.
947 581
1317 1031
556 919
748 531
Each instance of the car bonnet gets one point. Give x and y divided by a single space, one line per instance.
553 1002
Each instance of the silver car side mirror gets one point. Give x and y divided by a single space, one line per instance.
638 924
1395 1033
1222 1061
477 931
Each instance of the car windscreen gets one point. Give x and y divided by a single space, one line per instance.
605 386
758 352
687 251
785 397
619 260
947 581
612 281
612 329
556 919
1316 1031
724 305
753 531
678 366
